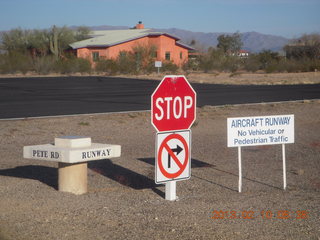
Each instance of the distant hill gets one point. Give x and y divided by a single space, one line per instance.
252 41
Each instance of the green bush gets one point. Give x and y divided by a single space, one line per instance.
230 64
107 66
169 67
73 65
251 64
126 63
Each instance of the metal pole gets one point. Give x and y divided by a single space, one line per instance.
171 191
240 169
284 166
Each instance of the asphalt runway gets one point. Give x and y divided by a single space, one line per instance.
52 96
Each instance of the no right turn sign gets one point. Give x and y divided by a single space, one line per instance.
173 156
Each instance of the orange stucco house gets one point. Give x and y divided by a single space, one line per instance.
108 44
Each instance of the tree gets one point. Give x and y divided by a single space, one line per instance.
82 33
144 57
38 43
15 41
307 46
42 42
230 44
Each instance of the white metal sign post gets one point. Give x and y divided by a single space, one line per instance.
261 130
172 160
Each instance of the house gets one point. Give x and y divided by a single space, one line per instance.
243 53
109 44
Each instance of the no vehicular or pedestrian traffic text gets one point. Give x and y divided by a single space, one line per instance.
251 131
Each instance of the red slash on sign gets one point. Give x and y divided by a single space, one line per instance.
180 160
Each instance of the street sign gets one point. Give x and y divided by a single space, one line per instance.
158 64
173 155
261 130
173 104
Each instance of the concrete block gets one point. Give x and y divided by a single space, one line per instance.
72 142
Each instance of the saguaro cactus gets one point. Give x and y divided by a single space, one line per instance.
53 40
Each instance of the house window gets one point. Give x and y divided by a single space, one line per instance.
167 56
122 54
154 54
95 56
181 55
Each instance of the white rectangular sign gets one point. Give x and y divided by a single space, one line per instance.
158 64
49 152
173 156
261 130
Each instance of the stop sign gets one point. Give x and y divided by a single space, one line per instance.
173 104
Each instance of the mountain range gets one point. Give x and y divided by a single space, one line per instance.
252 41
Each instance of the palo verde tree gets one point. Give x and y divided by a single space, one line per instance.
42 42
230 44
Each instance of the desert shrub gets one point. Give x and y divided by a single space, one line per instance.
15 62
251 64
191 65
107 66
294 65
212 60
73 65
169 67
230 64
126 63
44 65
144 57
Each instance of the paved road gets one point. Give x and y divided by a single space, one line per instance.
30 97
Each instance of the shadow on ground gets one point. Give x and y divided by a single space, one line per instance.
46 175
124 176
194 163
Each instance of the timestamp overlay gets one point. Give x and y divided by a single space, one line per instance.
281 214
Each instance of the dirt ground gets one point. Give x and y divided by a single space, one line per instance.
123 202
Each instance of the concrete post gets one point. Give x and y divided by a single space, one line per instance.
73 177
72 153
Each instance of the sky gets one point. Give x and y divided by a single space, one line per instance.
287 18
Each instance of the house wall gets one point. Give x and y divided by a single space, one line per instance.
163 43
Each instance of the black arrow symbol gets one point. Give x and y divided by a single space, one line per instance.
177 150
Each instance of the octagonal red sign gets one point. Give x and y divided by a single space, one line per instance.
173 104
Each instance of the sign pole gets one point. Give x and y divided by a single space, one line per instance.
171 191
284 166
240 169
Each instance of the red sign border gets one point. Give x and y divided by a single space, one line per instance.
195 102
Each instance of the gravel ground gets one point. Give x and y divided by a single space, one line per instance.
123 201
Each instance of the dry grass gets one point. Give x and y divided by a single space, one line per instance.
241 78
